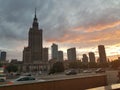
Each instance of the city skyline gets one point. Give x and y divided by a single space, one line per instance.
91 24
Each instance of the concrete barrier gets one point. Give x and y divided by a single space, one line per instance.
109 87
65 84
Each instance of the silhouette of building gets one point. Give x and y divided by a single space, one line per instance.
102 54
91 56
60 56
85 59
71 54
33 53
14 61
0 54
45 54
3 56
54 49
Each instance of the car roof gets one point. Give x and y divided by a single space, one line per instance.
23 77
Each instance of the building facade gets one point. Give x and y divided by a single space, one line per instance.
60 56
102 54
45 54
85 59
3 55
33 53
54 51
92 57
71 54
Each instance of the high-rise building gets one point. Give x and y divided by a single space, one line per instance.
71 54
0 54
91 56
102 54
54 49
33 53
60 56
3 55
85 59
45 54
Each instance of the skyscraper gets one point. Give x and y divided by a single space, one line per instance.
102 54
0 54
54 49
71 54
33 53
85 59
45 54
3 55
91 56
60 56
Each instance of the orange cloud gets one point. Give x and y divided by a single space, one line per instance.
88 38
68 38
73 35
99 27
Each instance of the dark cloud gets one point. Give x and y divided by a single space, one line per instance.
58 18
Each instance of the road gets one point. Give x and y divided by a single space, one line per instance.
111 76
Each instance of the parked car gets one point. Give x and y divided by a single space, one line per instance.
71 72
100 70
2 77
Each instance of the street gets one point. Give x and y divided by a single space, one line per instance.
111 76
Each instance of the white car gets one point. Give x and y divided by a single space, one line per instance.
24 79
87 71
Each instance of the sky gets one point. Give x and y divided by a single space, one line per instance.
83 24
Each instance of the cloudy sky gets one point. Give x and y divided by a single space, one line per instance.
83 24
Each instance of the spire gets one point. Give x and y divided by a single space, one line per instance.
35 22
35 17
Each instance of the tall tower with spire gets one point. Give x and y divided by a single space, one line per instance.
33 53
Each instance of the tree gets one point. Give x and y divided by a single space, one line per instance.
103 65
74 65
92 65
1 65
115 64
57 67
12 68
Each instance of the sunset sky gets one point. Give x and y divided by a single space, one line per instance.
83 24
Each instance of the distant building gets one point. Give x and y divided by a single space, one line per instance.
118 58
85 59
3 56
102 54
45 54
71 54
26 55
0 54
60 56
91 56
54 49
14 61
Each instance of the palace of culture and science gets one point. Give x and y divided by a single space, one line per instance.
33 54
